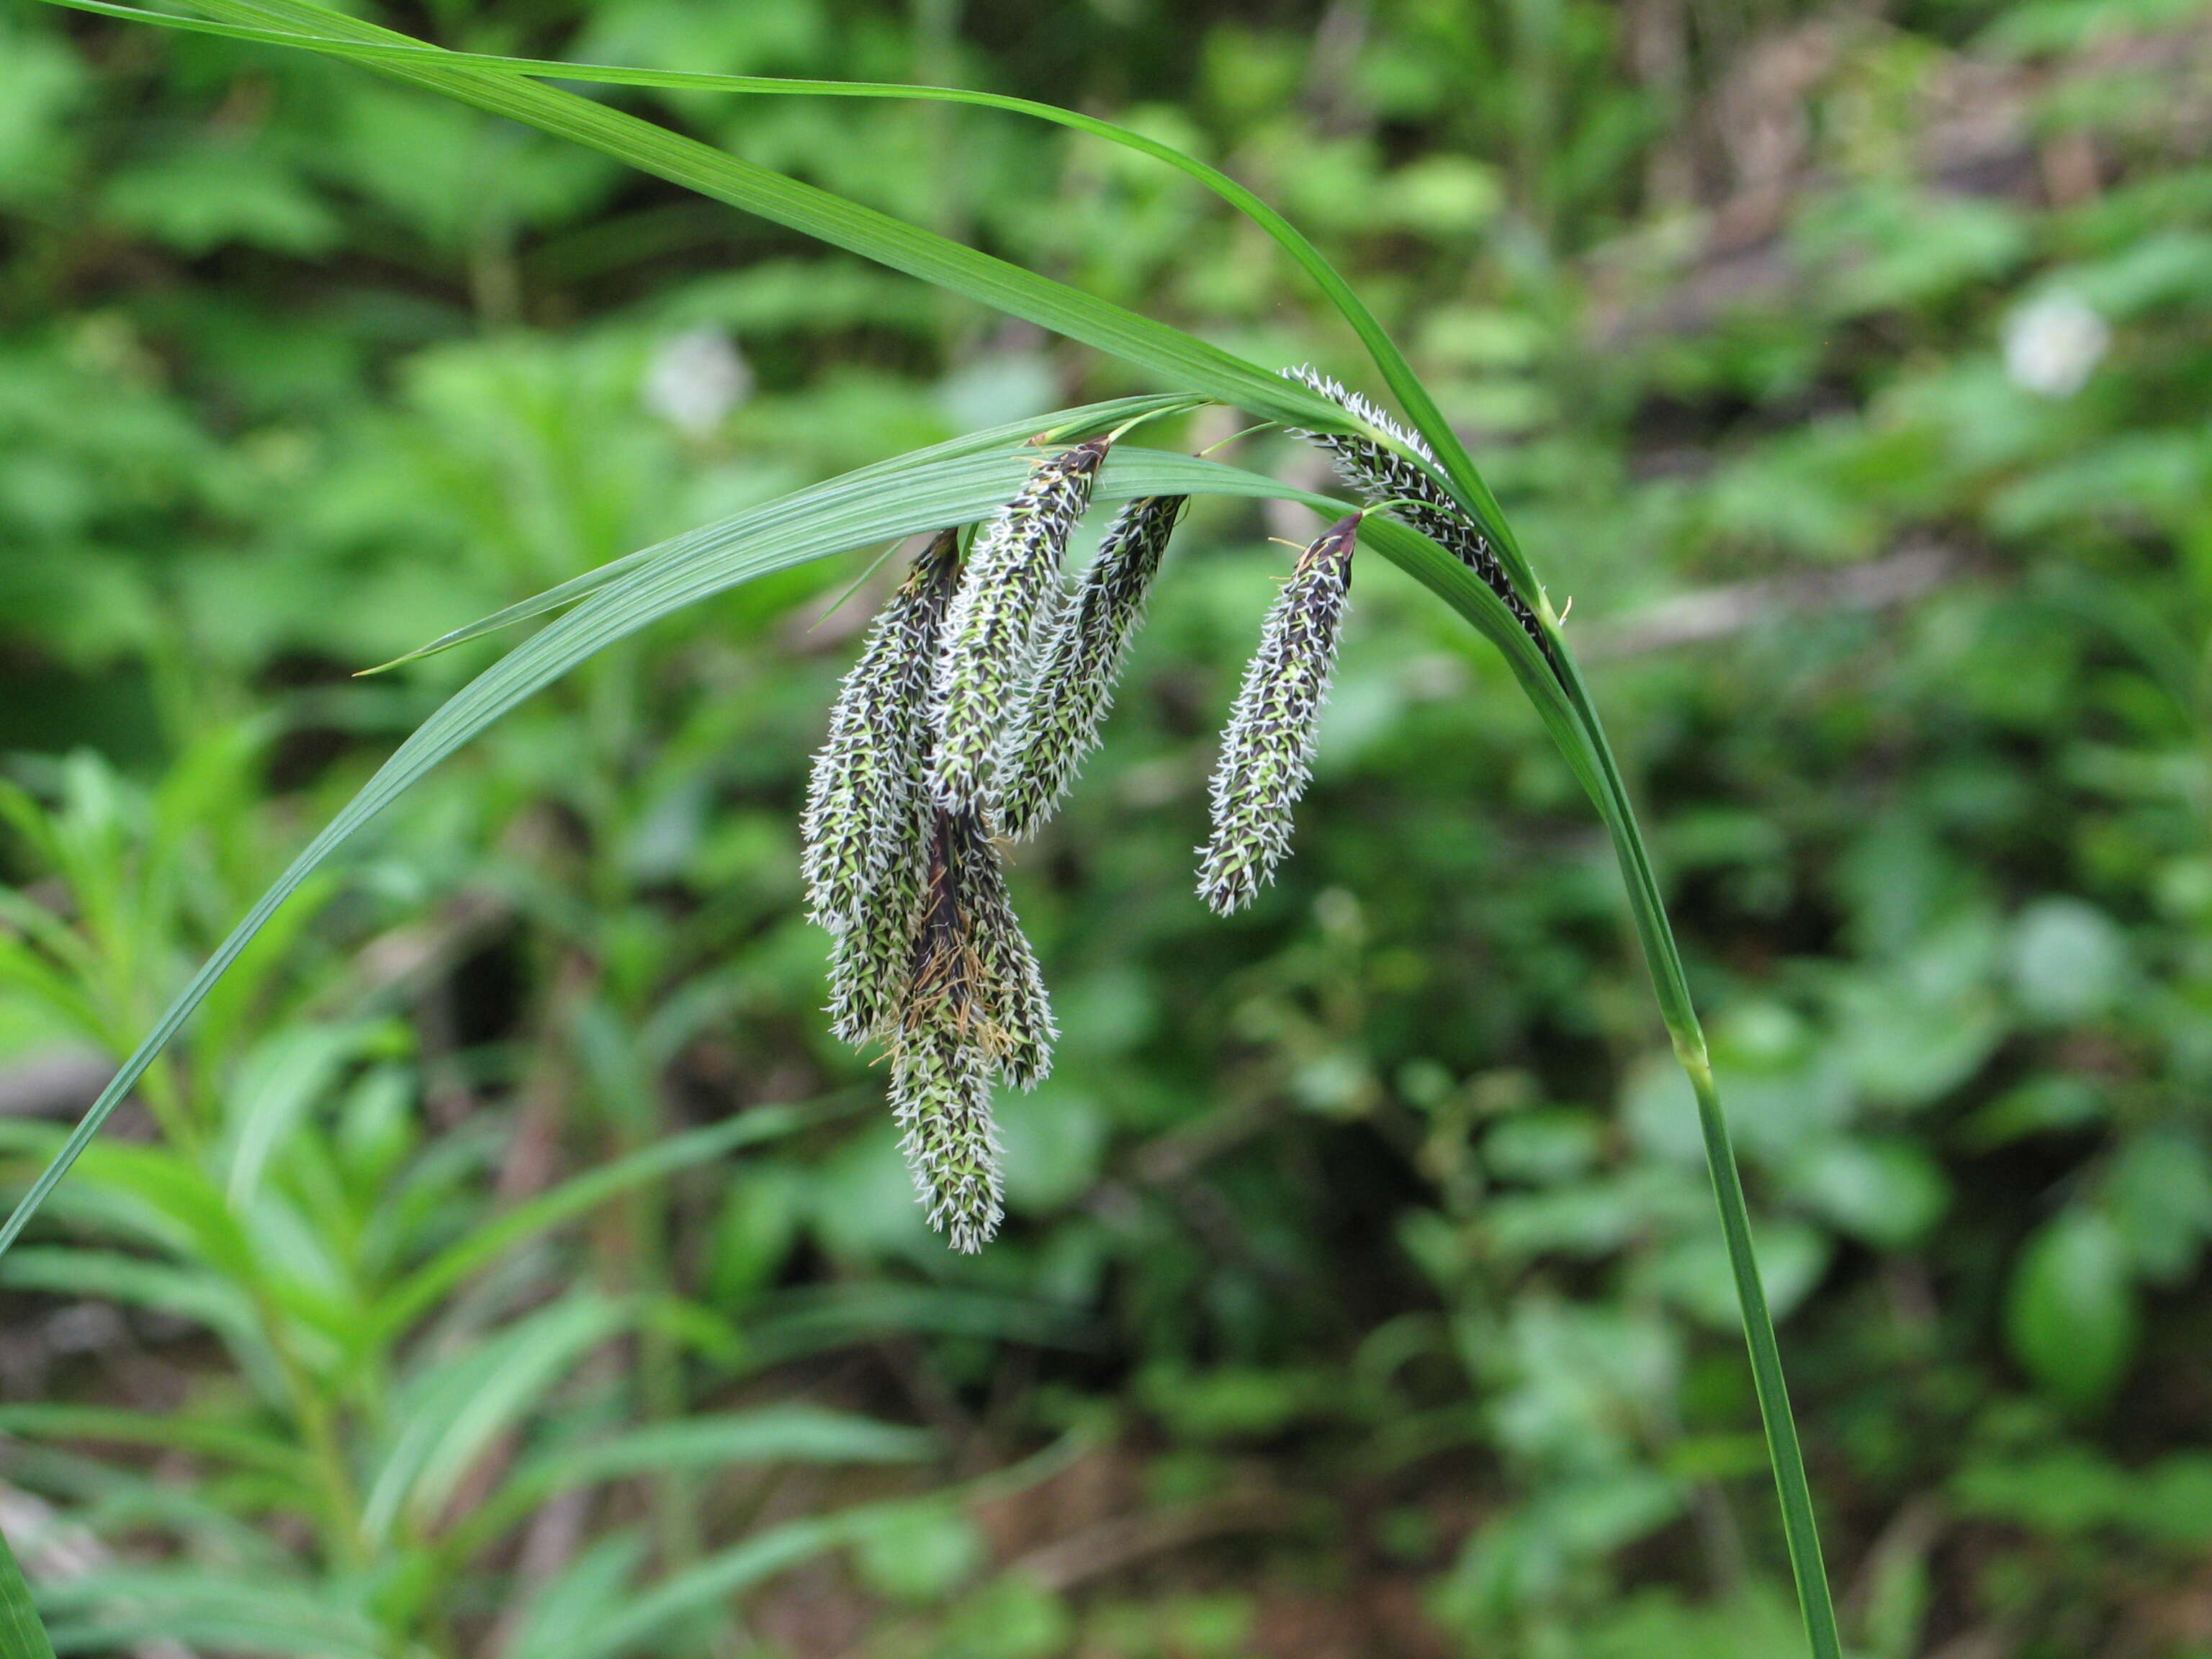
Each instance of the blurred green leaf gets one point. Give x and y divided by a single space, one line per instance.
2070 1308
1887 1192
2069 961
918 1551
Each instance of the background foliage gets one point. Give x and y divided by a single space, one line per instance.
509 1264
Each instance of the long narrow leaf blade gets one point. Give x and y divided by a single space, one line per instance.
1177 358
1080 423
713 1580
790 1433
463 1404
22 1635
1414 397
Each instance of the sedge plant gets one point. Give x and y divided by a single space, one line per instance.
976 697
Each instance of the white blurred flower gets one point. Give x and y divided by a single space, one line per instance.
696 378
2051 345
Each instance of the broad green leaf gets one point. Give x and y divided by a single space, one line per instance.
1884 1190
2159 1192
2069 960
1696 1274
2067 1490
2071 1310
919 1552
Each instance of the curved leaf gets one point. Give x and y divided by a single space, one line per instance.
1080 423
1465 479
1177 358
22 1635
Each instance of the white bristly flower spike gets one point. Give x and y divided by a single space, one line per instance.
1009 588
927 954
871 961
974 974
859 799
941 1098
1020 1027
975 1008
1409 492
1266 748
1056 724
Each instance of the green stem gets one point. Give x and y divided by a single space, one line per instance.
1554 685
342 1539
1799 1531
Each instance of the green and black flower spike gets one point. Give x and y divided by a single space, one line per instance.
1011 588
975 1008
941 1098
992 665
859 811
1408 492
1056 723
1266 748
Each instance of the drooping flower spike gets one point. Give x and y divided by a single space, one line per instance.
871 961
858 799
974 974
975 1009
1387 480
978 692
1266 748
1056 724
1010 589
941 1098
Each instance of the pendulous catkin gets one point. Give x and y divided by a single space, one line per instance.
978 693
990 632
941 1098
1381 475
1266 748
1056 724
974 974
859 799
975 1008
871 959
1021 1009
927 954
